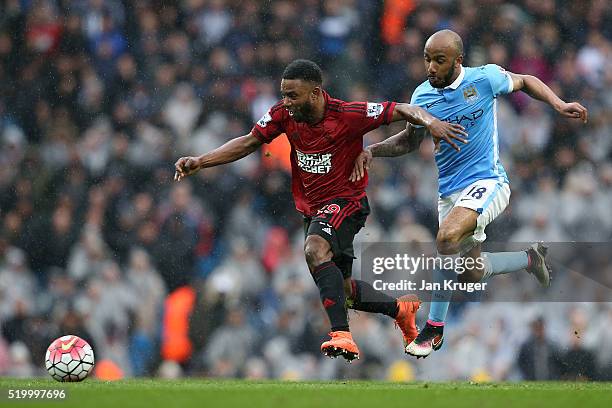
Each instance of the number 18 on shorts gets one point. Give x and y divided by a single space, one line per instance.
487 197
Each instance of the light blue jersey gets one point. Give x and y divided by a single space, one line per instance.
471 102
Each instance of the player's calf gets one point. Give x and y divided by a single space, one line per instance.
328 279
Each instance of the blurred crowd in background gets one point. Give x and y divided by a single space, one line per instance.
98 98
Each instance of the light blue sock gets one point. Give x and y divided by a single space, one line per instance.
440 299
499 263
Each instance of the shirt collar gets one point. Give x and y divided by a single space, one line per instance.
457 81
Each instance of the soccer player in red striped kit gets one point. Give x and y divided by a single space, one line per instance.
326 136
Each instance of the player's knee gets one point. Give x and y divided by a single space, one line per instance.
317 251
448 240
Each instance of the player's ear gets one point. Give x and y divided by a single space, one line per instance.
316 92
459 60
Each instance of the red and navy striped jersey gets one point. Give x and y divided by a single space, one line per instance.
323 154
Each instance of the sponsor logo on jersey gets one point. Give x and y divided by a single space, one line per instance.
317 163
265 119
470 94
374 110
466 120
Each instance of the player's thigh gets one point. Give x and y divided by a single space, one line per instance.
445 206
489 198
341 226
317 249
318 228
483 200
337 222
459 224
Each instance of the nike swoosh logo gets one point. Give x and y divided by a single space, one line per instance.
66 346
429 105
435 343
463 199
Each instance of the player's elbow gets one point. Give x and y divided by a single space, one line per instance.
521 82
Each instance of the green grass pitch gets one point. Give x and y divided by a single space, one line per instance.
153 393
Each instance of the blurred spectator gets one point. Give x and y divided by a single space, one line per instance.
539 358
16 283
578 363
21 364
148 286
230 346
88 256
99 97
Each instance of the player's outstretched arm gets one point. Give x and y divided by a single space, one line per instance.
438 129
537 89
230 151
399 144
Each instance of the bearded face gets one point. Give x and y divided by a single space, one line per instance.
299 99
302 113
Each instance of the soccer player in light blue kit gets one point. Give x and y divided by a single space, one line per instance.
473 185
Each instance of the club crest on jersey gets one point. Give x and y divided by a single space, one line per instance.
328 209
374 110
317 163
470 94
265 119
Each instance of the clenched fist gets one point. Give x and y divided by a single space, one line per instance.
185 166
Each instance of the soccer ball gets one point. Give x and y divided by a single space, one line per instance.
69 358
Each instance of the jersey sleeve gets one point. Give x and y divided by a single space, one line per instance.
499 78
270 125
367 116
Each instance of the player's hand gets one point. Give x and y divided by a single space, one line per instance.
441 130
574 110
362 163
185 166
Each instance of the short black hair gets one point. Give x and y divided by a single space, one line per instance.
305 70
